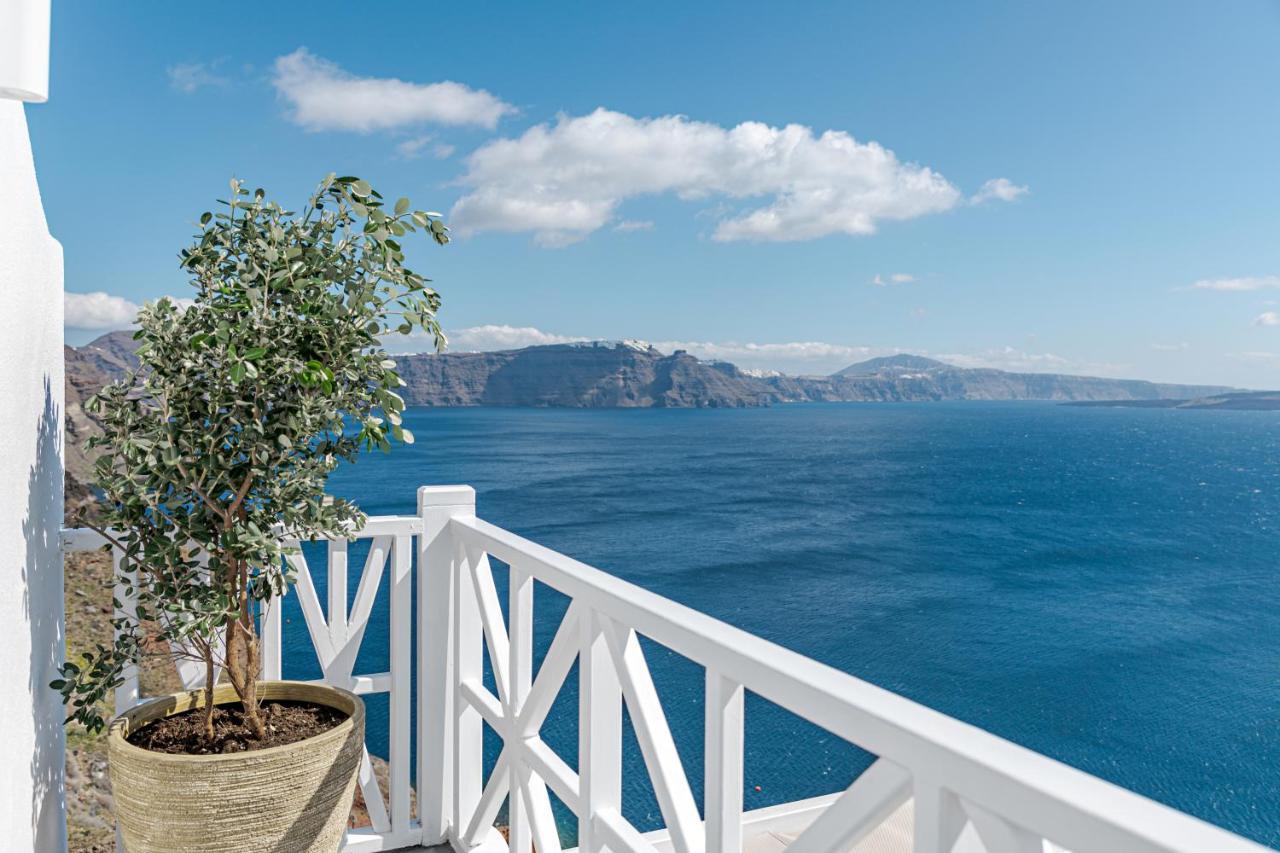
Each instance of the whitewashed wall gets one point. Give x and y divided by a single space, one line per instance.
31 402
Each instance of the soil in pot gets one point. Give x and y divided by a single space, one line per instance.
286 721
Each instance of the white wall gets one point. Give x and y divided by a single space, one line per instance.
31 404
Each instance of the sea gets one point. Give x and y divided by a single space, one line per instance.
1097 584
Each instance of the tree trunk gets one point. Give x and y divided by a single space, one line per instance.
243 667
253 669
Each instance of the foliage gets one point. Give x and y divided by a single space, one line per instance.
244 402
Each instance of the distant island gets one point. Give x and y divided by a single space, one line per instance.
632 374
1240 401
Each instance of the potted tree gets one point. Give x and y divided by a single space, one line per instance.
245 400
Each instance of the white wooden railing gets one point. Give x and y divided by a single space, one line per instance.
336 634
963 783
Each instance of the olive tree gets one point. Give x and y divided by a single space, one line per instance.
244 401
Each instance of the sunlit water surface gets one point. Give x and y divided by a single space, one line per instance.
1099 585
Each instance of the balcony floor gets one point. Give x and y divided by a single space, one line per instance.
772 829
894 835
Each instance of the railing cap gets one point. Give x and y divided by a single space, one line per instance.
439 496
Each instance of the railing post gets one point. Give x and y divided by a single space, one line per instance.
272 645
520 673
401 563
939 817
599 731
438 572
722 803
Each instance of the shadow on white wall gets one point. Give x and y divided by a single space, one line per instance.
42 582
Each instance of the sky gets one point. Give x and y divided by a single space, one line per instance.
1090 187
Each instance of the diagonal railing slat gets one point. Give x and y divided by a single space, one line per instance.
658 747
1000 836
873 796
542 822
551 675
495 629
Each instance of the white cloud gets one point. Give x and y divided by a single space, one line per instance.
103 311
1245 283
998 189
1178 347
97 310
792 357
498 337
1267 318
485 338
1265 358
187 77
1009 358
634 225
325 97
412 149
563 181
795 357
1021 361
895 278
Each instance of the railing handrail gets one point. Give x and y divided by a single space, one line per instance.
1065 805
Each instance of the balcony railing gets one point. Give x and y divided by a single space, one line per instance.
957 783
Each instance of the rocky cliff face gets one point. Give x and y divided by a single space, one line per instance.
913 377
635 375
629 374
89 369
597 375
614 375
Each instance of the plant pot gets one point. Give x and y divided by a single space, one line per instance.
286 798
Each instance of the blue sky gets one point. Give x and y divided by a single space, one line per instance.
1085 187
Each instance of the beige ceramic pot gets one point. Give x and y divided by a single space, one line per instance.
285 799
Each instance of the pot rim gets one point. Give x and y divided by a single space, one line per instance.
118 741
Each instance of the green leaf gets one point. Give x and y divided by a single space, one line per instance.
255 353
401 206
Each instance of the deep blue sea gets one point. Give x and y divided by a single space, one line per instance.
1099 585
